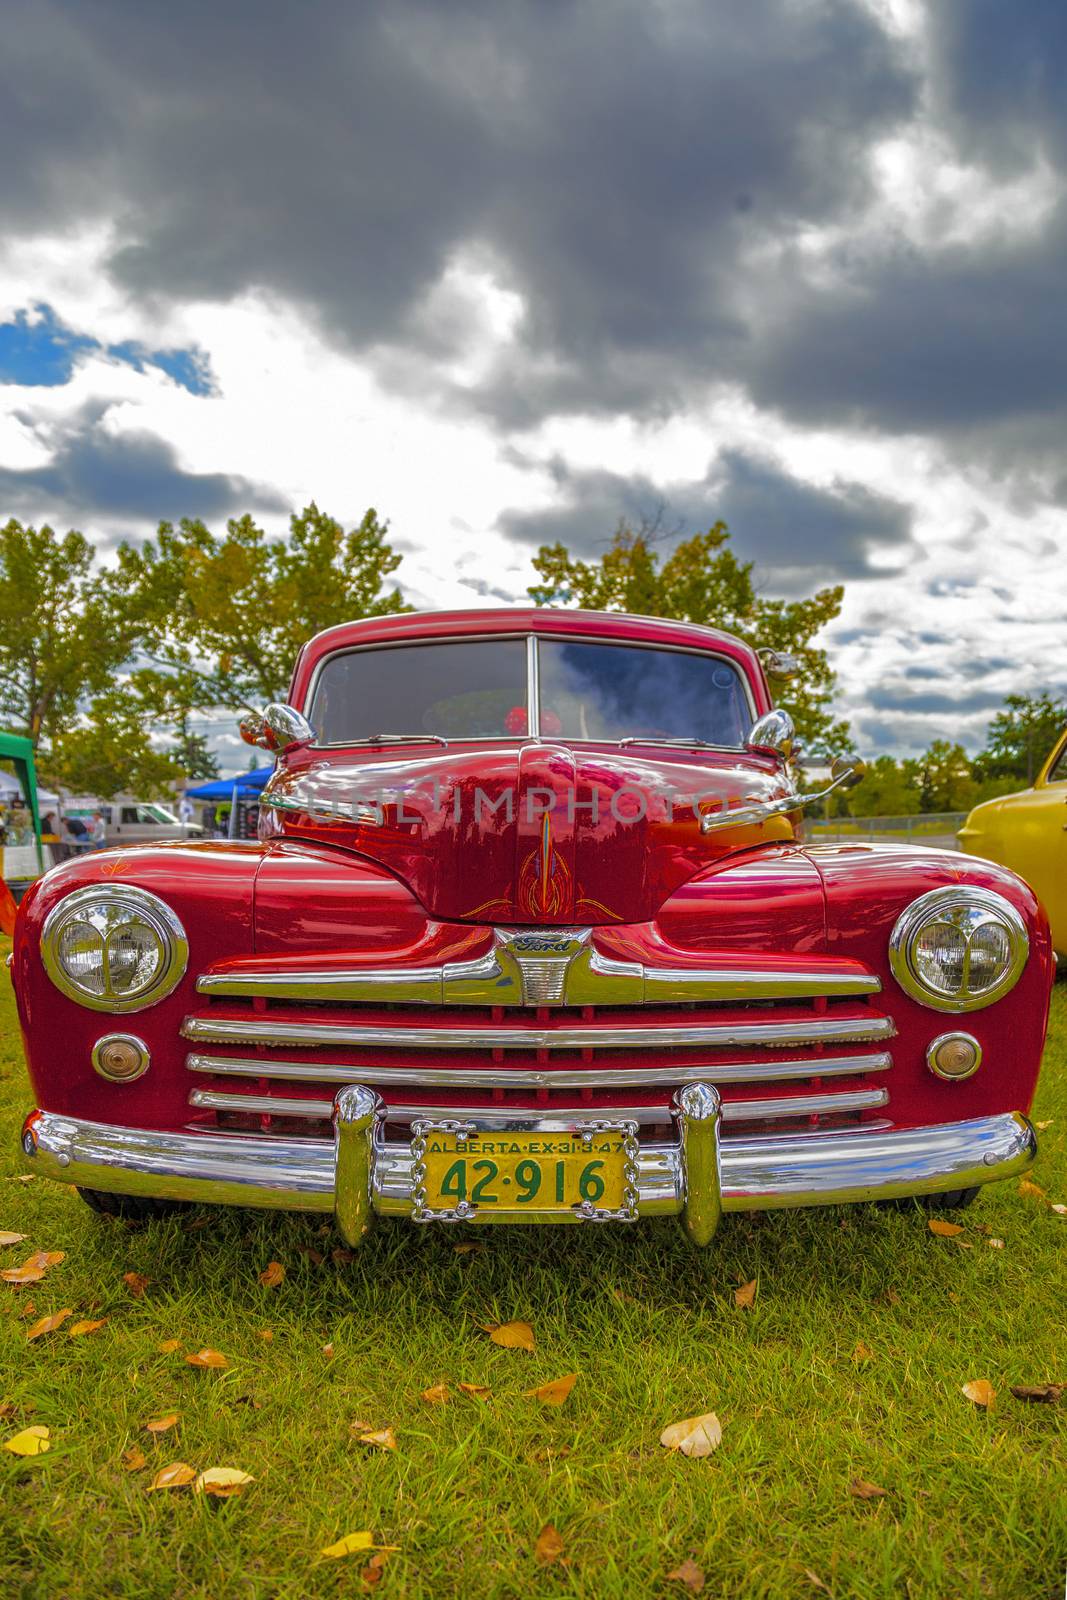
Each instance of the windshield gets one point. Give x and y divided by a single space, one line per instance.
477 688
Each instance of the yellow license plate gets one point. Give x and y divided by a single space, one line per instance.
524 1172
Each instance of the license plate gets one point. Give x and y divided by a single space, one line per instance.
524 1173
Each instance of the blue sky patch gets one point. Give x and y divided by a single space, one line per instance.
39 351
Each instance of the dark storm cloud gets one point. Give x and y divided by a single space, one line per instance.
124 476
885 698
793 531
613 157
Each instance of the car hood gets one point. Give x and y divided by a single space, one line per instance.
534 832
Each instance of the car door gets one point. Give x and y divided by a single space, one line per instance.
1034 839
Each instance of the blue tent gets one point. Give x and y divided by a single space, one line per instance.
245 787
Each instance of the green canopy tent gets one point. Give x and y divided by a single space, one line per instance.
19 752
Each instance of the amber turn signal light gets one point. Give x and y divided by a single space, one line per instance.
120 1057
954 1056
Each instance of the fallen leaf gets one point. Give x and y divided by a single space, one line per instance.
745 1295
963 1244
357 1425
982 1392
222 1481
862 1352
1041 1126
478 1391
272 1275
944 1230
30 1442
134 1459
48 1324
163 1424
694 1436
7 1408
327 1351
168 1347
341 1257
12 1238
511 1335
1061 1211
864 1489
813 1578
136 1283
265 1334
28 1310
22 1275
469 1247
554 1393
1030 1190
549 1546
316 1257
383 1438
438 1395
690 1574
1043 1393
45 1259
85 1325
371 1574
207 1358
177 1476
349 1545
995 1244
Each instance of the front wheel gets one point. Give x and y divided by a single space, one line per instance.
133 1207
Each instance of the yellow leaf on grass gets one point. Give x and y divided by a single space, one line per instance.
746 1294
1041 1126
862 1352
982 1392
477 1391
437 1395
694 1436
45 1259
549 1546
944 1230
136 1283
12 1238
272 1275
265 1334
177 1476
30 1442
995 1244
1030 1190
382 1438
864 1489
207 1358
163 1424
554 1393
222 1481
22 1275
134 1459
690 1574
511 1335
48 1324
349 1545
85 1325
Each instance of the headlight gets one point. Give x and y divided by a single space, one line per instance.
114 948
958 949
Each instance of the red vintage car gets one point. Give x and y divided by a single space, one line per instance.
530 934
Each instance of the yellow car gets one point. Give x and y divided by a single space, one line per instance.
1028 833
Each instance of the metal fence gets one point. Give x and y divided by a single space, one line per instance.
933 828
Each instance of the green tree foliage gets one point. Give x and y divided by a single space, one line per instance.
112 751
701 580
890 789
224 617
1022 735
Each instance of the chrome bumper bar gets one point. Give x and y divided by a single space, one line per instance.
698 1176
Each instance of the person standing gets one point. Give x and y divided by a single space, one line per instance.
97 831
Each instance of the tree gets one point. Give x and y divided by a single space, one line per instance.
1022 735
945 778
222 619
61 641
703 581
890 789
113 750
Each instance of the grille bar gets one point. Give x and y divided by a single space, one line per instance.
712 1035
650 1077
804 1105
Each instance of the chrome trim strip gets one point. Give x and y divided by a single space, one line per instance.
586 977
772 1108
712 1035
532 1078
533 688
755 1173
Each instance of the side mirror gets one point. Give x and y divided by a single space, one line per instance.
781 664
774 731
847 771
278 728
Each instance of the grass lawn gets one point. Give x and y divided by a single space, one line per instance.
975 1503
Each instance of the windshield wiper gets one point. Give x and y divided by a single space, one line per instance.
684 744
402 738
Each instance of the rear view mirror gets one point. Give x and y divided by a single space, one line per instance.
277 728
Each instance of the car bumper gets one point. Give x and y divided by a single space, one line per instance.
697 1176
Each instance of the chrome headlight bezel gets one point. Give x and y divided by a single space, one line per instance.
122 904
949 905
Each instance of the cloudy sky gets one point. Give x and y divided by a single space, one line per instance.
509 271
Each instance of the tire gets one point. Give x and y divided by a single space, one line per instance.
951 1200
132 1207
